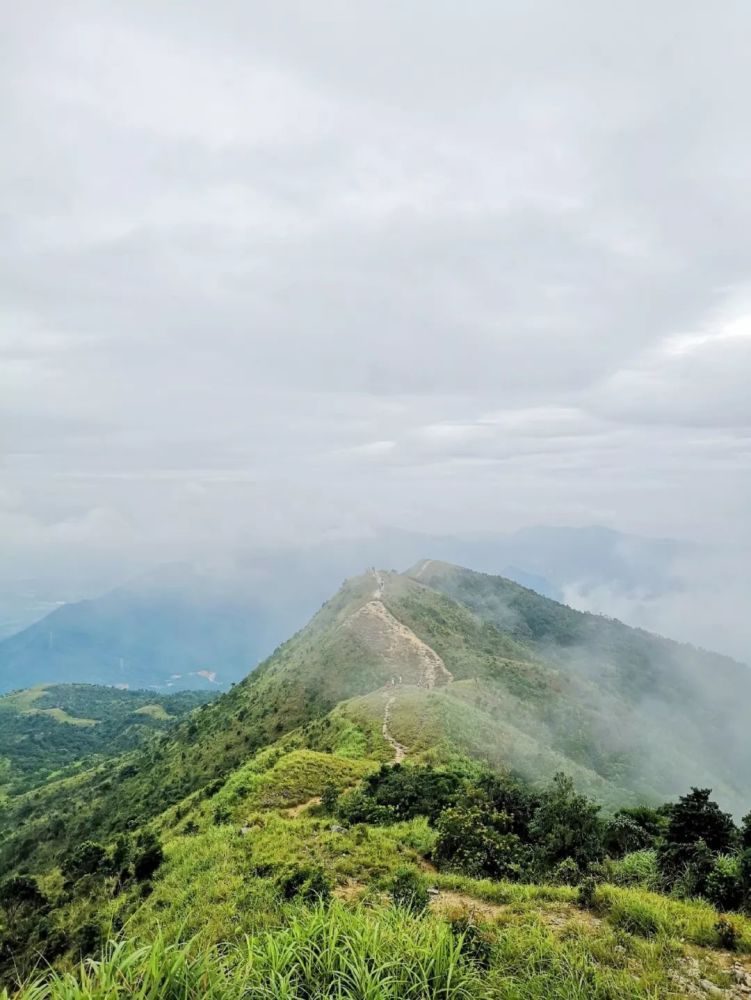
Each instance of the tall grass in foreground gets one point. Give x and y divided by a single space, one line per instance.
321 953
361 954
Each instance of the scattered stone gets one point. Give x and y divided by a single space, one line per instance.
711 989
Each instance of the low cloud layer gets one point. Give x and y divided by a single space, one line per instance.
281 273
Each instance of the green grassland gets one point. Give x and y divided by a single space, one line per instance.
215 923
388 954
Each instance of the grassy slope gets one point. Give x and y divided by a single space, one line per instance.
475 721
302 681
391 955
217 885
653 709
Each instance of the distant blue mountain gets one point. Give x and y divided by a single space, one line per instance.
169 630
182 627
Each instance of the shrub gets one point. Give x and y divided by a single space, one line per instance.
727 934
409 890
357 807
746 832
744 873
20 894
414 790
477 842
586 895
88 938
121 853
624 835
697 817
309 883
723 883
686 867
476 940
638 868
89 858
329 799
566 825
509 796
148 856
566 872
654 822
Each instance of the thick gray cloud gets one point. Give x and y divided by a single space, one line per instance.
282 272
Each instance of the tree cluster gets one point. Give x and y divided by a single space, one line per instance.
499 827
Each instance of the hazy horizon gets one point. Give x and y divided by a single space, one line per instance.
276 277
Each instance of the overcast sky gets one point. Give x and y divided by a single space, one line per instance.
282 271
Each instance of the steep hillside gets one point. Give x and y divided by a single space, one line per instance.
47 731
669 710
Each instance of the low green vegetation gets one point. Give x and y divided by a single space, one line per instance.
494 863
276 843
385 953
48 730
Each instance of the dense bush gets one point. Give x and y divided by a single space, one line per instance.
746 832
20 897
413 790
723 882
355 806
697 831
88 858
148 856
329 798
727 934
567 825
509 796
695 817
623 835
309 883
478 842
744 874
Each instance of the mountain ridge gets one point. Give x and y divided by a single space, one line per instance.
507 702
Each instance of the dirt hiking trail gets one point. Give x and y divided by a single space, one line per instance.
400 751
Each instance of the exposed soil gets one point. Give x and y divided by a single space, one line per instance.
422 569
301 807
447 901
414 662
349 892
400 751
